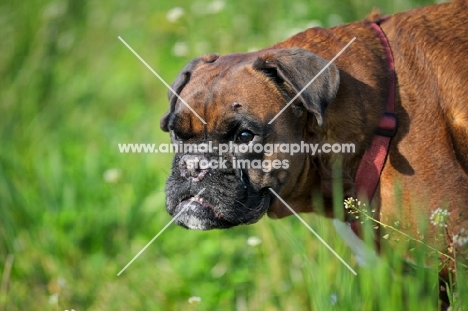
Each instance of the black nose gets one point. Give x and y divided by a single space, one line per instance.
193 166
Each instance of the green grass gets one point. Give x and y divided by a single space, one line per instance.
70 91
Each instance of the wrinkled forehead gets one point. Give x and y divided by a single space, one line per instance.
228 89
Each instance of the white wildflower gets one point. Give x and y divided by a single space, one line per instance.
112 175
439 217
174 14
53 299
349 203
194 300
254 241
461 238
215 6
352 203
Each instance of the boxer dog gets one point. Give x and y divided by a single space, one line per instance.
418 59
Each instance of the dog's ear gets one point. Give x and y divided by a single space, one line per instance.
296 68
180 82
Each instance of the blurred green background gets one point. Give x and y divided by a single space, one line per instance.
74 211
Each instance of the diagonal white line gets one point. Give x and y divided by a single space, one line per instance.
159 233
313 79
161 79
313 231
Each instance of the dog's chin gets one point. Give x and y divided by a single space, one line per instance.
197 214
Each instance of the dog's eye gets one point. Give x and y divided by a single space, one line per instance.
245 137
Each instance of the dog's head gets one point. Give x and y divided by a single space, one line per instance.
237 96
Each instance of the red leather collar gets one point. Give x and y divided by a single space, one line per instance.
373 160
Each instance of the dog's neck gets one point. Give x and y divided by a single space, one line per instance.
361 99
